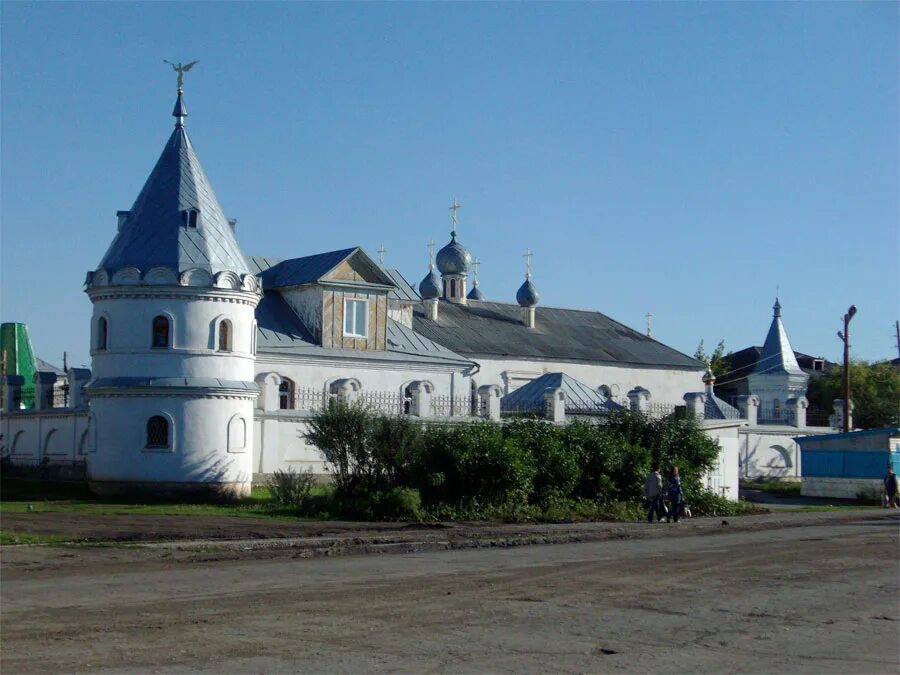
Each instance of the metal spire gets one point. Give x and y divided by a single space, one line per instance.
527 255
453 219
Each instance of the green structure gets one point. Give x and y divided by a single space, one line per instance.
17 358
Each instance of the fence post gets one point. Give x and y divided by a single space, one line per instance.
347 390
78 377
837 420
748 404
797 407
421 398
696 403
639 399
268 391
13 392
555 404
489 401
43 389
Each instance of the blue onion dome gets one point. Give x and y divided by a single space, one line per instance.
527 295
430 286
475 293
453 258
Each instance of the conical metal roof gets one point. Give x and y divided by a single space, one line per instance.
777 355
158 233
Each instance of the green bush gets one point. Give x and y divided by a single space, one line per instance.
395 441
557 466
706 503
291 489
343 435
471 463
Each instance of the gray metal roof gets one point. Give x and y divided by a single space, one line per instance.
496 329
278 273
171 382
280 331
777 356
717 409
403 290
154 234
579 396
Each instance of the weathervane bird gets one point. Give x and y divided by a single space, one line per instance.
181 70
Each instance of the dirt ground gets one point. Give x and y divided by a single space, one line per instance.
819 596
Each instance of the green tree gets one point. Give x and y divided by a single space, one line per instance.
718 361
874 390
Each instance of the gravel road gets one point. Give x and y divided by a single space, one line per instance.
820 597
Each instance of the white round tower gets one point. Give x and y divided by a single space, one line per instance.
173 341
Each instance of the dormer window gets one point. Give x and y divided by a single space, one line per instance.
189 217
355 315
818 364
160 332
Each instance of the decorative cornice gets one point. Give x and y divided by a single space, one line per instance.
249 298
172 392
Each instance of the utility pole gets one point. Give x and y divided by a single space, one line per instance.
897 328
845 336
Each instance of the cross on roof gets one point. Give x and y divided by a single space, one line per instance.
381 253
649 325
527 255
475 265
453 209
431 253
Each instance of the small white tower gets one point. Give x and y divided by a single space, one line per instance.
453 263
777 377
173 340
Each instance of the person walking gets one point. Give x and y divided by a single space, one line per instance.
891 488
653 491
675 493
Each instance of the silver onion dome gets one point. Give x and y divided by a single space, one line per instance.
430 286
453 258
527 295
475 293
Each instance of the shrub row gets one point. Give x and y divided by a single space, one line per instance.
397 467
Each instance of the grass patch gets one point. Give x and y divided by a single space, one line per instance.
18 538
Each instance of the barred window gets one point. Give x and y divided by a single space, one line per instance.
286 394
157 432
161 332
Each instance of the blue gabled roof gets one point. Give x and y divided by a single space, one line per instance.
277 273
579 396
154 234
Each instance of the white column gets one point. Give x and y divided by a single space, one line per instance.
797 408
639 399
43 390
696 402
489 401
13 394
78 377
749 407
555 404
421 398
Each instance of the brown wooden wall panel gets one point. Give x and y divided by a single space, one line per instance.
328 319
381 323
346 272
338 319
371 323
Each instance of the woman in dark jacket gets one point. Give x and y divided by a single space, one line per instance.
675 494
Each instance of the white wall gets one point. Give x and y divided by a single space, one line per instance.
60 435
192 334
724 476
199 449
770 451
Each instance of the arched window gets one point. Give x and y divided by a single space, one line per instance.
157 432
286 394
102 329
189 217
224 336
161 332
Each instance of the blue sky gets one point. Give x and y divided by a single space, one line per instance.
682 159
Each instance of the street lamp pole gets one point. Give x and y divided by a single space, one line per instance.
845 336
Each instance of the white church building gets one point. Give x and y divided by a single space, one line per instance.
206 363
